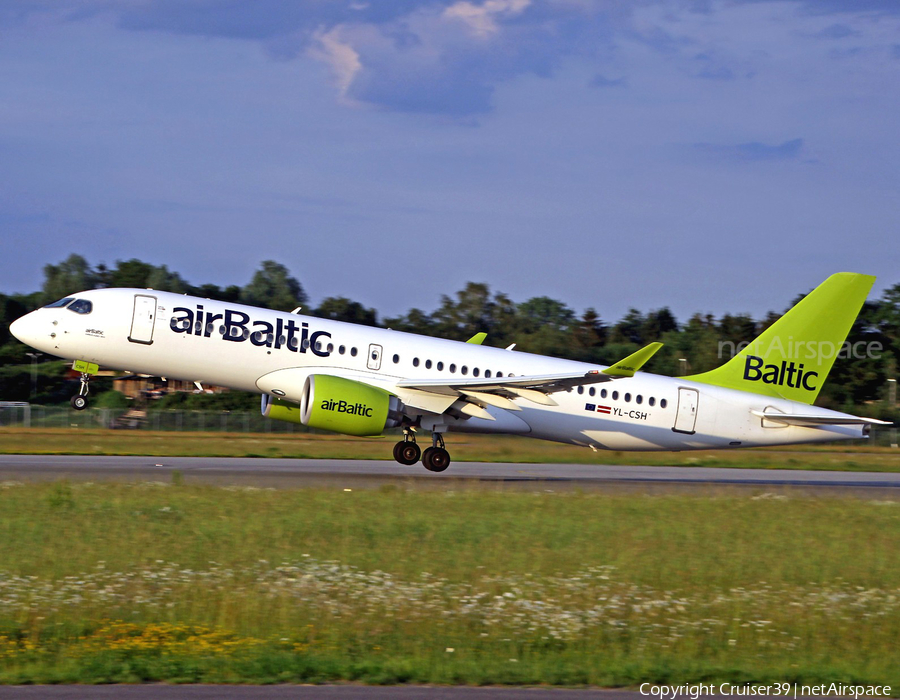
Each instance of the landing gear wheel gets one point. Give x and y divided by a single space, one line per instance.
407 452
436 459
79 402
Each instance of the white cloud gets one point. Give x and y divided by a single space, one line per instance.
340 56
482 19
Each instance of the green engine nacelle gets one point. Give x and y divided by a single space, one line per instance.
338 404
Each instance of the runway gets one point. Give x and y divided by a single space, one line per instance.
286 473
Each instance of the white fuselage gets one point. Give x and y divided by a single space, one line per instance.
251 349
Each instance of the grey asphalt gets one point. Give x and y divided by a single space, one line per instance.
363 473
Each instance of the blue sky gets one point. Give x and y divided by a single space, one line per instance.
707 156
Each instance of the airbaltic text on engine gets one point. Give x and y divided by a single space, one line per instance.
785 373
237 327
354 409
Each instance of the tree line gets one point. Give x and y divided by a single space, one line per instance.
541 325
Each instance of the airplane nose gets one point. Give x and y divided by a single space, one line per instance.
17 328
23 329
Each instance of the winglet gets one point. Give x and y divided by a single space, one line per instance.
632 363
477 339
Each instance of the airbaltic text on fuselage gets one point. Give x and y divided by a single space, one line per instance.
237 327
784 374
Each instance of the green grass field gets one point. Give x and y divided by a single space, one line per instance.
141 582
463 448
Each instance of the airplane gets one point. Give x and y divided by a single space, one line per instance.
359 380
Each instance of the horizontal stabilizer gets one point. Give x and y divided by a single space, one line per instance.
818 419
632 363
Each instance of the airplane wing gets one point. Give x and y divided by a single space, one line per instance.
499 391
812 420
468 396
535 387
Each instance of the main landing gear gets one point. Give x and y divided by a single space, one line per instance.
79 401
434 458
407 451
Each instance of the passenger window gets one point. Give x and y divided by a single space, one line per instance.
342 349
592 391
396 359
59 304
475 372
415 362
627 397
603 393
581 390
330 348
440 366
463 370
662 403
651 401
487 373
639 399
615 396
499 374
427 364
353 352
452 368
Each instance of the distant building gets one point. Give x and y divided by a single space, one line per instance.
135 386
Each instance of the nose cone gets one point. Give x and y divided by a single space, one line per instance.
24 329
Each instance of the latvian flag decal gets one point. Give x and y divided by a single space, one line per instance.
599 409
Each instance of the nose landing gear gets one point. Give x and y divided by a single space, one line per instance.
87 369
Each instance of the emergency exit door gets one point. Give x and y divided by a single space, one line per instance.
686 414
374 361
143 320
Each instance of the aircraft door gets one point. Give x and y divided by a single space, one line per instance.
374 360
686 414
144 319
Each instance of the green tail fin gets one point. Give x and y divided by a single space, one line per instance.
792 358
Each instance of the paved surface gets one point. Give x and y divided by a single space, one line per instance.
362 473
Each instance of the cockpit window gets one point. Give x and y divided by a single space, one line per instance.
81 306
60 303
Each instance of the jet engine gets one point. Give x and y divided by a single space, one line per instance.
338 404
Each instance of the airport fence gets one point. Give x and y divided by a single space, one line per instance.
34 416
24 415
